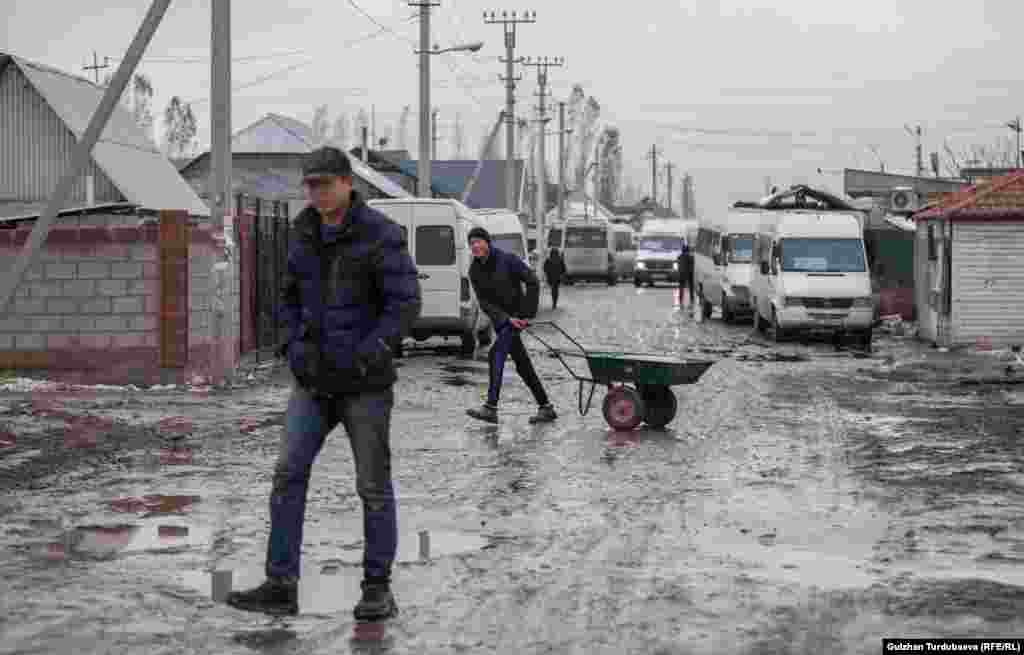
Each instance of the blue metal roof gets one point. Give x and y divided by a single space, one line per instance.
450 177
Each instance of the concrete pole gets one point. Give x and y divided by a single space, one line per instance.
433 133
82 152
561 163
423 174
220 178
542 178
510 128
669 167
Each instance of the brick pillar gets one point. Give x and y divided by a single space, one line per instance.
174 296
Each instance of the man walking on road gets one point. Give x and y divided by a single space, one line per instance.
554 269
685 265
350 289
498 279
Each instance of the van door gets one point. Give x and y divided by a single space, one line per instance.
435 239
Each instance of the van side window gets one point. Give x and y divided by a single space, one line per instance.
435 245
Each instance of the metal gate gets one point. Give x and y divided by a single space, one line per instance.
264 259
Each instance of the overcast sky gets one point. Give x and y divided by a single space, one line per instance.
732 91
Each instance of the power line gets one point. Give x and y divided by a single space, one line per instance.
286 70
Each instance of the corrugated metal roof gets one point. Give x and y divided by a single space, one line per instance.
273 134
132 162
450 177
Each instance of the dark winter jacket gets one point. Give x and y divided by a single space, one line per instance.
554 269
498 282
342 310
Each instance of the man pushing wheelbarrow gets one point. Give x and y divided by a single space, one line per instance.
509 292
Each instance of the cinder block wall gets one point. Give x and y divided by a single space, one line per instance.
89 309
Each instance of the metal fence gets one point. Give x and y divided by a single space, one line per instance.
262 232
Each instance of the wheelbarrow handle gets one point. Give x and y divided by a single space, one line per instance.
559 328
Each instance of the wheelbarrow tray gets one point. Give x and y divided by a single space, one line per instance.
643 370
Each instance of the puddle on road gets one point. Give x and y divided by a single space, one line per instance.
17 459
463 368
154 504
106 541
439 544
457 381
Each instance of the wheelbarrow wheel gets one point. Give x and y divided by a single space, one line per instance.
623 408
660 404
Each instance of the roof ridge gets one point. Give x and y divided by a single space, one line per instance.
983 192
274 117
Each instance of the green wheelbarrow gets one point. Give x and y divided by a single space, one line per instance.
639 385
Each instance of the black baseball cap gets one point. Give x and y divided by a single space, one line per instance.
325 162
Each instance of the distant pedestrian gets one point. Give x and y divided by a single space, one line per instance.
685 265
554 271
350 289
499 279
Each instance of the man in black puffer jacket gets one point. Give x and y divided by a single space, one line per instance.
350 289
498 279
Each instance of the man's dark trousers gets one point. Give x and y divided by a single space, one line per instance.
510 343
366 417
554 294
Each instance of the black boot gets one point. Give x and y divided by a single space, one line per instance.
377 603
545 414
486 413
276 596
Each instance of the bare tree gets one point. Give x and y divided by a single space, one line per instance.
403 128
180 128
321 125
339 133
1000 154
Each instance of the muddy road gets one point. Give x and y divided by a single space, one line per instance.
803 501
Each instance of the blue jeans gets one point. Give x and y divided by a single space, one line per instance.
510 344
366 417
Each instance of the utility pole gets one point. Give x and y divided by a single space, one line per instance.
542 65
423 175
433 133
668 168
510 22
95 68
561 162
82 152
220 175
918 152
653 156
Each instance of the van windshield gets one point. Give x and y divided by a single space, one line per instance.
660 244
582 237
741 248
823 256
511 243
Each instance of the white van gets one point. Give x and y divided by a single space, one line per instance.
723 254
811 273
624 245
657 253
506 230
436 230
587 251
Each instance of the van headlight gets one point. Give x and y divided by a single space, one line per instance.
863 301
640 266
675 266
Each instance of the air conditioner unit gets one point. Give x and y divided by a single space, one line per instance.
904 200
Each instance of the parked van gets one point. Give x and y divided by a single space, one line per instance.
624 245
811 273
587 251
437 232
506 230
722 262
657 254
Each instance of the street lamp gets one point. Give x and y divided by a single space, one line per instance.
423 175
